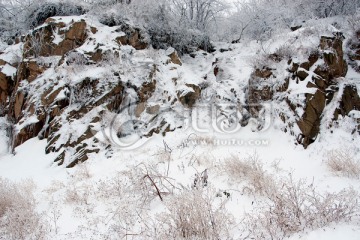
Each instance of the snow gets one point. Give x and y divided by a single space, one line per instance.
199 145
3 137
8 70
31 120
354 114
31 162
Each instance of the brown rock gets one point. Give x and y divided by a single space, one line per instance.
97 56
189 98
3 82
309 123
305 65
264 73
40 42
29 70
302 74
350 100
93 30
47 99
48 20
175 58
3 98
19 101
333 57
216 70
294 67
314 56
77 32
140 108
320 83
285 86
81 156
60 158
28 132
153 109
311 85
133 38
147 90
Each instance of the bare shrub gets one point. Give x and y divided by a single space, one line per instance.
343 163
2 110
82 172
18 217
251 171
260 61
130 194
285 51
78 193
36 43
78 60
297 205
354 22
55 186
195 214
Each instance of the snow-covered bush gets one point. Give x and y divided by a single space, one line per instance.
198 14
17 17
18 217
82 93
35 43
285 51
161 20
195 214
297 205
251 171
330 8
166 30
48 9
260 19
77 59
342 162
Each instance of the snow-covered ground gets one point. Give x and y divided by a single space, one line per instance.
90 211
128 194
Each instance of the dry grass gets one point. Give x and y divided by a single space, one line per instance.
285 206
249 170
343 163
18 217
297 205
195 214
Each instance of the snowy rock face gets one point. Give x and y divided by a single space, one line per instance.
77 75
318 81
86 87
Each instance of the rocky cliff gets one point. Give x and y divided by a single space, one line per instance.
70 78
74 73
313 93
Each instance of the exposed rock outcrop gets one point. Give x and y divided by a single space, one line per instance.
44 41
322 74
68 83
133 36
190 96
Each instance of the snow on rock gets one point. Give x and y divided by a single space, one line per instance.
134 129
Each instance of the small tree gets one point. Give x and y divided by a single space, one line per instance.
198 14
